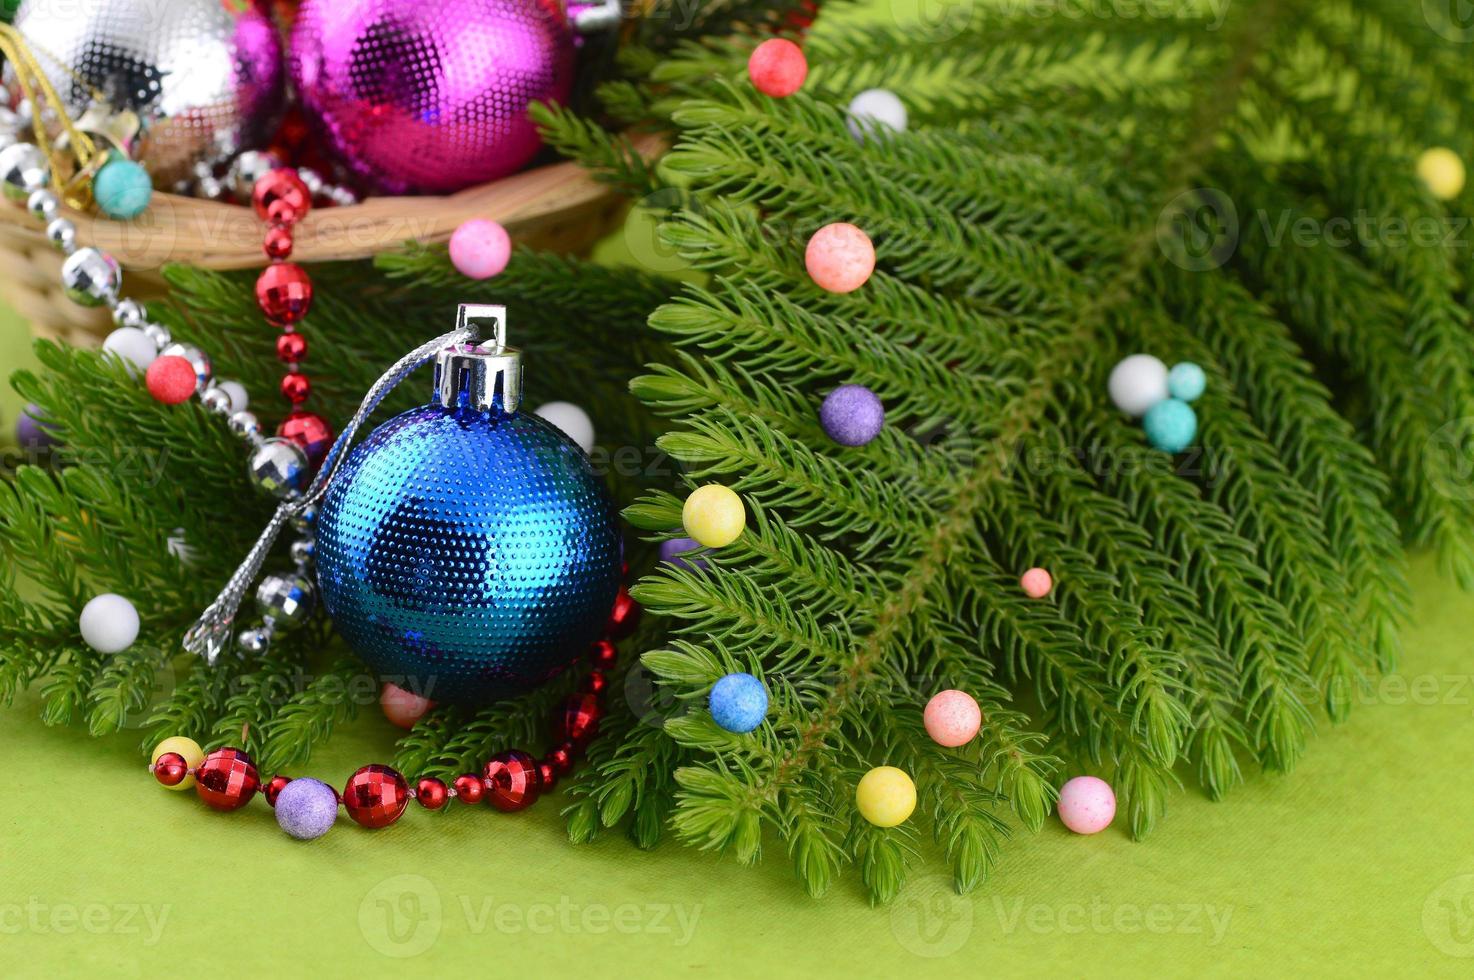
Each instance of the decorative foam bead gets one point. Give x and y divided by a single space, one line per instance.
952 718
570 420
1036 583
30 431
673 552
187 749
714 515
852 415
109 623
1186 381
133 347
840 258
480 249
738 702
122 189
875 109
306 808
171 379
1443 171
403 708
1170 425
1138 383
239 398
777 67
1087 805
886 796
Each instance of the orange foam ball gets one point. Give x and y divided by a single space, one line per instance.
840 258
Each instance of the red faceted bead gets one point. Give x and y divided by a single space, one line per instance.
291 348
278 242
375 796
284 293
170 769
511 781
431 793
547 776
603 655
274 787
296 388
280 197
469 788
578 720
624 617
595 683
561 759
310 432
227 779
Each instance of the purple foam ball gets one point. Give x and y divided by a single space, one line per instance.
852 415
673 552
31 432
306 808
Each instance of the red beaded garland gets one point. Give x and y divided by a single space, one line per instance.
511 780
227 779
375 796
278 243
561 758
469 788
578 721
280 197
309 431
624 618
170 769
291 348
274 787
295 388
431 793
171 380
547 776
284 293
596 682
603 655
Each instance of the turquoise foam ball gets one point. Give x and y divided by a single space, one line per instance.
122 189
1186 381
738 702
1170 425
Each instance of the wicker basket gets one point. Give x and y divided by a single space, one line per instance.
557 207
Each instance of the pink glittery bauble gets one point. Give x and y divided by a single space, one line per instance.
840 258
1087 805
430 96
952 718
1036 583
479 249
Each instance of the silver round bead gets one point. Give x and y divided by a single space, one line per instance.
279 466
305 520
311 180
198 359
159 334
63 235
254 640
245 425
7 140
43 204
24 170
303 550
130 313
286 600
89 276
216 400
210 188
23 114
248 168
9 121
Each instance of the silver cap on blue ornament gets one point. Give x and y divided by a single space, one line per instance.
484 377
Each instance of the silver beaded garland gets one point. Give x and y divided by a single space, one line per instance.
203 369
286 600
43 204
63 235
90 277
129 313
245 425
24 170
216 399
303 550
279 466
255 641
159 334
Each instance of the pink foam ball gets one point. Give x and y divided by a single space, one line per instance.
1087 805
840 258
777 67
401 707
479 249
952 718
1036 583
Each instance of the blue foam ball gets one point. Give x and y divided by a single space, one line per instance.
1186 381
122 189
306 808
1170 425
738 702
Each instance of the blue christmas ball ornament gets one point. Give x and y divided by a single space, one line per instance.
1186 381
466 550
738 702
1170 425
122 188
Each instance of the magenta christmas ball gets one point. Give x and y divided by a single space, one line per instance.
430 96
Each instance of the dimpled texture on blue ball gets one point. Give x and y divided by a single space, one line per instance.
468 556
738 702
1186 381
122 189
1170 425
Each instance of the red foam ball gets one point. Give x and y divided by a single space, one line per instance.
171 380
777 67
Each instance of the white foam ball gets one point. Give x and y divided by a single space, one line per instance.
875 107
133 347
1138 383
239 400
571 420
109 623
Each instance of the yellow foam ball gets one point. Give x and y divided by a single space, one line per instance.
1443 171
188 748
714 515
886 796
